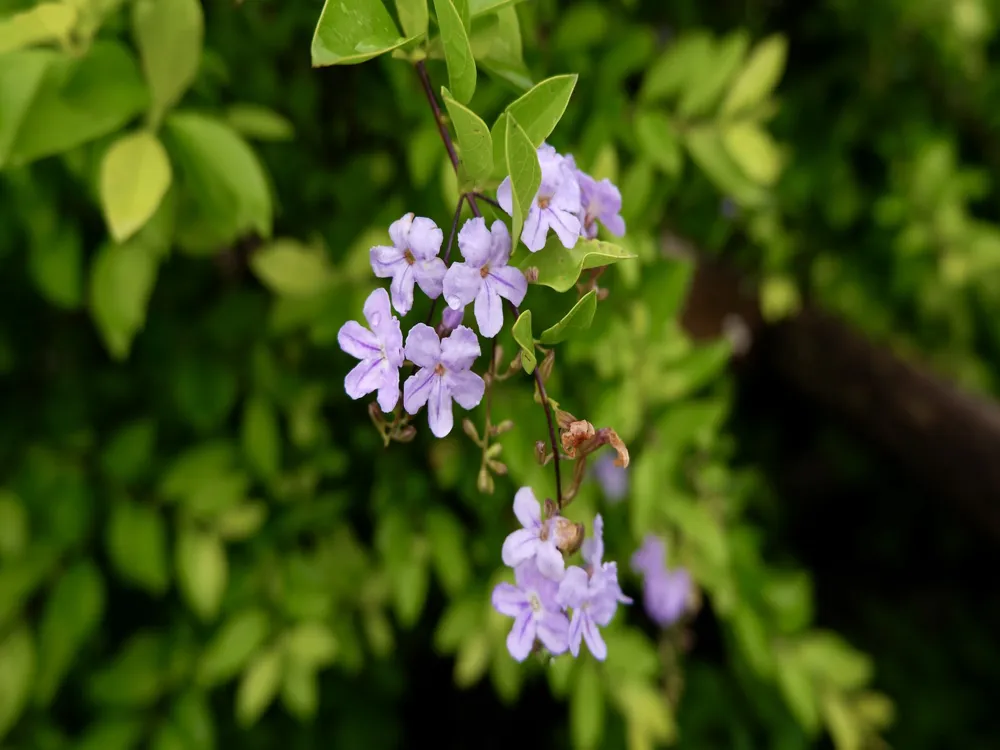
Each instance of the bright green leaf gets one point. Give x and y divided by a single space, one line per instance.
448 543
169 36
193 719
72 612
576 320
758 77
232 646
779 297
135 175
631 653
474 141
462 6
300 691
197 466
460 619
413 16
680 63
352 31
559 267
703 90
410 583
539 110
17 669
708 152
46 22
311 644
457 51
828 657
258 687
21 77
202 571
798 690
586 708
753 149
658 140
240 522
525 174
647 715
121 282
259 123
525 339
137 545
472 660
479 7
291 269
497 47
261 437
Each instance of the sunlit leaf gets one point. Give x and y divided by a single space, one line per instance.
560 267
524 338
457 51
576 320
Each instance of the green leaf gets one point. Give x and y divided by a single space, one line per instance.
798 690
17 669
20 578
129 451
475 144
539 111
258 686
46 22
261 437
56 266
21 76
72 612
224 190
753 149
137 545
828 657
352 31
447 539
112 734
779 297
709 153
586 708
472 660
259 123
525 174
658 140
311 644
631 653
525 339
649 717
79 99
193 720
136 677
479 7
300 691
759 76
559 267
135 175
680 63
457 51
241 522
121 282
169 36
462 6
576 320
291 269
202 571
496 45
197 466
412 16
410 583
461 618
702 91
232 646
14 532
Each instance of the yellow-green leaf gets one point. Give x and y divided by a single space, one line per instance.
169 35
559 267
457 50
412 16
261 437
232 646
17 669
291 269
525 174
586 707
759 76
258 686
703 90
259 123
658 140
577 319
523 336
46 22
121 281
709 153
352 31
752 148
137 545
135 175
537 110
677 65
202 571
474 141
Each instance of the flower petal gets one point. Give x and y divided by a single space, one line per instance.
504 196
614 224
650 558
390 336
592 549
402 290
417 389
575 632
566 226
509 282
388 392
439 415
461 284
550 560
499 244
522 636
460 349
489 311
566 196
509 599
535 229
364 378
425 238
376 310
475 242
358 341
527 508
518 547
386 261
592 636
399 230
466 387
430 276
574 587
553 631
423 347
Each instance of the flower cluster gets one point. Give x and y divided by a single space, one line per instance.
545 590
666 593
569 202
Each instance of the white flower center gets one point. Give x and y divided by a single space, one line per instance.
536 603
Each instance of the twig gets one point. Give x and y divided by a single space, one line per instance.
447 251
487 199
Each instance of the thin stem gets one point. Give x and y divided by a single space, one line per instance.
471 198
487 199
447 251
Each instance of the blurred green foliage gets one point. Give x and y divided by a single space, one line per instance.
202 540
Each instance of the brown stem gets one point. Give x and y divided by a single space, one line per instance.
447 251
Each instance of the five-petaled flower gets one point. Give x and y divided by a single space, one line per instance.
542 541
416 243
444 375
379 349
665 593
600 201
484 276
556 205
532 604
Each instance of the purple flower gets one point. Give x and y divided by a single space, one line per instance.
412 258
539 540
379 349
532 604
665 593
450 320
604 573
601 201
444 374
612 477
485 275
556 205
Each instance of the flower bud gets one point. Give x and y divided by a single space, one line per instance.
470 429
484 483
540 452
494 450
506 426
404 434
450 320
568 535
545 368
497 467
